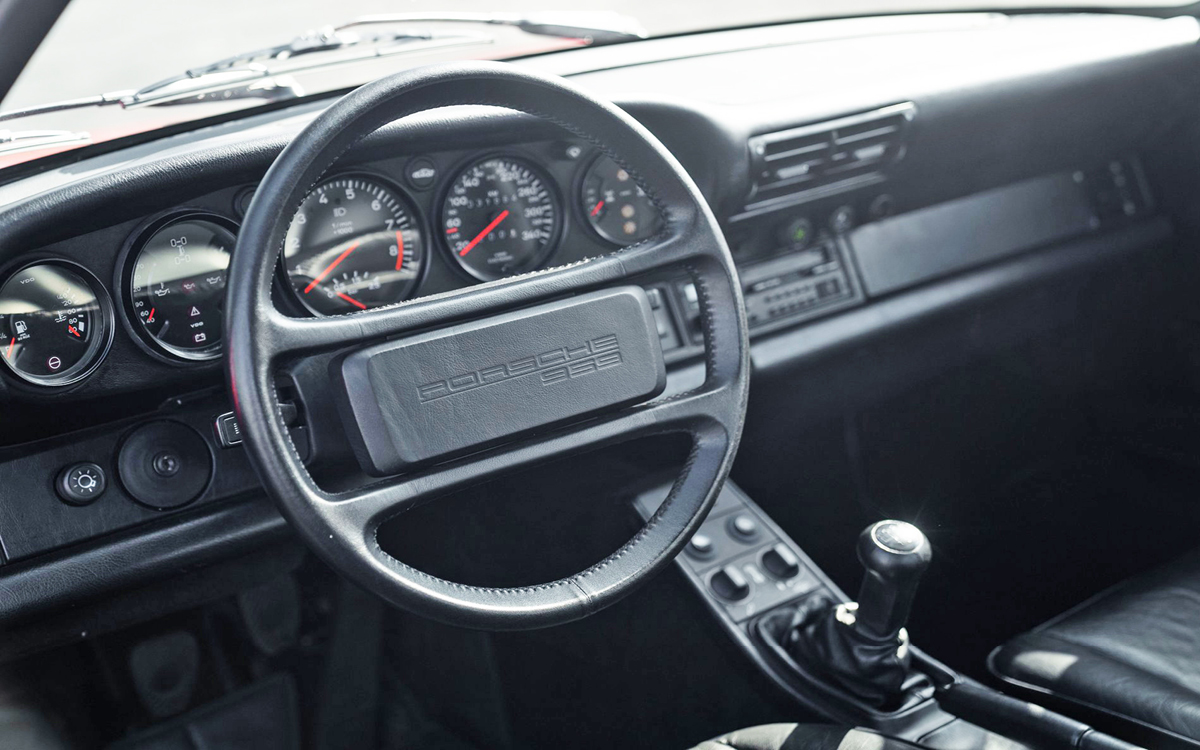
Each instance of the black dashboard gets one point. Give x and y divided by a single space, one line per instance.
854 200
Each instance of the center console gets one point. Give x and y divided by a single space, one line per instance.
783 612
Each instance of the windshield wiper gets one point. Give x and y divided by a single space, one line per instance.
262 73
11 141
596 28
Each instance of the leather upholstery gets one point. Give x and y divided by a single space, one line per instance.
803 737
1131 653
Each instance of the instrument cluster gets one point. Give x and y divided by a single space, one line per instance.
365 237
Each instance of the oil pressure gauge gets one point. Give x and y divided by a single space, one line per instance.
176 284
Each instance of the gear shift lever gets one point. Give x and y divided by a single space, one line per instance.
895 554
861 648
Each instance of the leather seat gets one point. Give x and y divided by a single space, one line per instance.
1127 659
803 737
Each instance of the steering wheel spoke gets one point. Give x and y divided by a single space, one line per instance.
691 414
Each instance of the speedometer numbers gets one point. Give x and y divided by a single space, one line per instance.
354 244
500 217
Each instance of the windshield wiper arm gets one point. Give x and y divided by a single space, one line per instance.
23 140
594 27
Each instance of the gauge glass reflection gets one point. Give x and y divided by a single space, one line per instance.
354 244
54 323
177 286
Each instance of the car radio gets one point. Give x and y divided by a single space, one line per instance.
798 285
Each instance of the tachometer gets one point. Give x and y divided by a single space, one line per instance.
354 244
501 217
55 323
615 206
176 283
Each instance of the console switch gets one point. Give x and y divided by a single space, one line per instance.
781 562
729 584
81 483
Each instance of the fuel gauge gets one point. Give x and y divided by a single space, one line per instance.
55 323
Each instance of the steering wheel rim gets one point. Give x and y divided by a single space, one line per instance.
341 527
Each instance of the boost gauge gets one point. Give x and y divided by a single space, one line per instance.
56 323
176 283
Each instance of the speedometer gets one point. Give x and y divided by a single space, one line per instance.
501 217
354 244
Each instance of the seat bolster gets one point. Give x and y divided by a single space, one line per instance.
803 737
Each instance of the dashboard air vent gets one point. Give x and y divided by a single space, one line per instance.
827 156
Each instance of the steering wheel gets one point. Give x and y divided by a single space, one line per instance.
444 391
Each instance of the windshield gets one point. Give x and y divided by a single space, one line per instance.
100 46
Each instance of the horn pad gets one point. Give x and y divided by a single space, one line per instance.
416 400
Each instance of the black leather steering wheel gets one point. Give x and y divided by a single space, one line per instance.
341 526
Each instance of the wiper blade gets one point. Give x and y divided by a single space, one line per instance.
24 140
593 27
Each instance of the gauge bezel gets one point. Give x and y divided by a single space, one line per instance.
582 211
130 252
414 210
560 224
99 349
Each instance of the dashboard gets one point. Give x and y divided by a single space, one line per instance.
856 201
367 236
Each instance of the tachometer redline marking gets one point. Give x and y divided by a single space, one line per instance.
486 231
332 266
399 250
352 301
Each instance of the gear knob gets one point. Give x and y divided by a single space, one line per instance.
895 554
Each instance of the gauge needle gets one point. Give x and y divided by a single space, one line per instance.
352 301
599 206
486 231
8 354
399 250
151 318
332 266
73 331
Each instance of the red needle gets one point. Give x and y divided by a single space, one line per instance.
486 231
352 301
72 330
151 318
332 266
599 206
8 354
399 250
